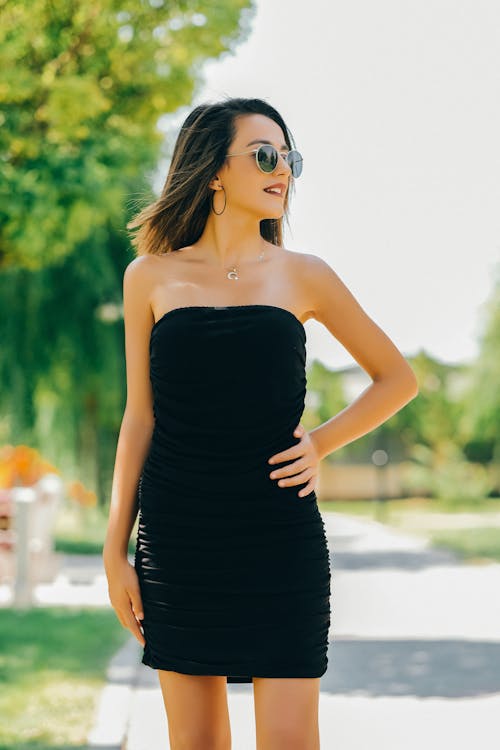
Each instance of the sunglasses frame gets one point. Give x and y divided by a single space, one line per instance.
279 153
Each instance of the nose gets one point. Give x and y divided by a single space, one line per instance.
282 160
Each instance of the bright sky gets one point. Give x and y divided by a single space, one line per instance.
395 107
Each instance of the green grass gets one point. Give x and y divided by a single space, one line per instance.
52 666
81 531
414 516
368 508
480 544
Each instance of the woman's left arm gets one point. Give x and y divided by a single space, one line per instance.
394 382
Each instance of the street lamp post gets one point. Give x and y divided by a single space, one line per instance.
380 459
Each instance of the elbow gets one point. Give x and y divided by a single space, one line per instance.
138 421
412 382
404 382
409 385
414 391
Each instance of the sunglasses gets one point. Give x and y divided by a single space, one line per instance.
267 157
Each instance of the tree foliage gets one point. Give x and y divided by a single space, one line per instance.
82 86
482 400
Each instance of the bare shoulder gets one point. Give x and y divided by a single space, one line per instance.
321 285
308 263
315 281
139 280
302 262
141 268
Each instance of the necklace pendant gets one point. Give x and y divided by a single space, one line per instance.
233 274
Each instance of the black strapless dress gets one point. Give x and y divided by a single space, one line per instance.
234 570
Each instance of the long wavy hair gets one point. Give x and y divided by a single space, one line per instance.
178 217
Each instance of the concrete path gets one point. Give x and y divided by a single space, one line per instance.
414 658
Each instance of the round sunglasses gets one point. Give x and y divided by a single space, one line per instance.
267 156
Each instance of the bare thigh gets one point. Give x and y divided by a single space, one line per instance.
197 711
286 713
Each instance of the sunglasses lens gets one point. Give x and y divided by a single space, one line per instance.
294 159
267 158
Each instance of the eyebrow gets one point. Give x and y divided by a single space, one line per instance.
262 140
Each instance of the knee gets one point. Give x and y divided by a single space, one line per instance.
201 740
287 737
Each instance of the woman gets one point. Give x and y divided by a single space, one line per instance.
231 579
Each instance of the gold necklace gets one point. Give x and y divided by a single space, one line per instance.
233 273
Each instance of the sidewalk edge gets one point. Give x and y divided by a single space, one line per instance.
112 714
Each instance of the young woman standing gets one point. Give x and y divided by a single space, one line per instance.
231 578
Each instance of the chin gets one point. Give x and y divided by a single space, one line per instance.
277 214
267 212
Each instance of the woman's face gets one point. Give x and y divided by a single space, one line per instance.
240 176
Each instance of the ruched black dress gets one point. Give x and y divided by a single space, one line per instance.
234 570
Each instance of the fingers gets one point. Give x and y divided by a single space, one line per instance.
134 627
135 613
137 607
129 619
307 474
125 595
289 469
297 478
310 486
300 470
294 452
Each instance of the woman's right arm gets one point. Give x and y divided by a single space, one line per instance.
132 447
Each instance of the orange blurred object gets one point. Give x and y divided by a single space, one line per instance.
78 492
22 466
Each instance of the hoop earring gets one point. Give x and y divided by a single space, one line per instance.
213 209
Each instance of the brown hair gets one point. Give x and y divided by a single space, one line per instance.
178 217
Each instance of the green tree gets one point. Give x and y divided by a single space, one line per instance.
325 394
82 86
481 419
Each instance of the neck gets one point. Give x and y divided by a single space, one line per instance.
231 242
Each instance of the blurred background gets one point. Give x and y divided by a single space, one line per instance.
395 108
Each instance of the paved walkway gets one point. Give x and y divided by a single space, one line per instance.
414 659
